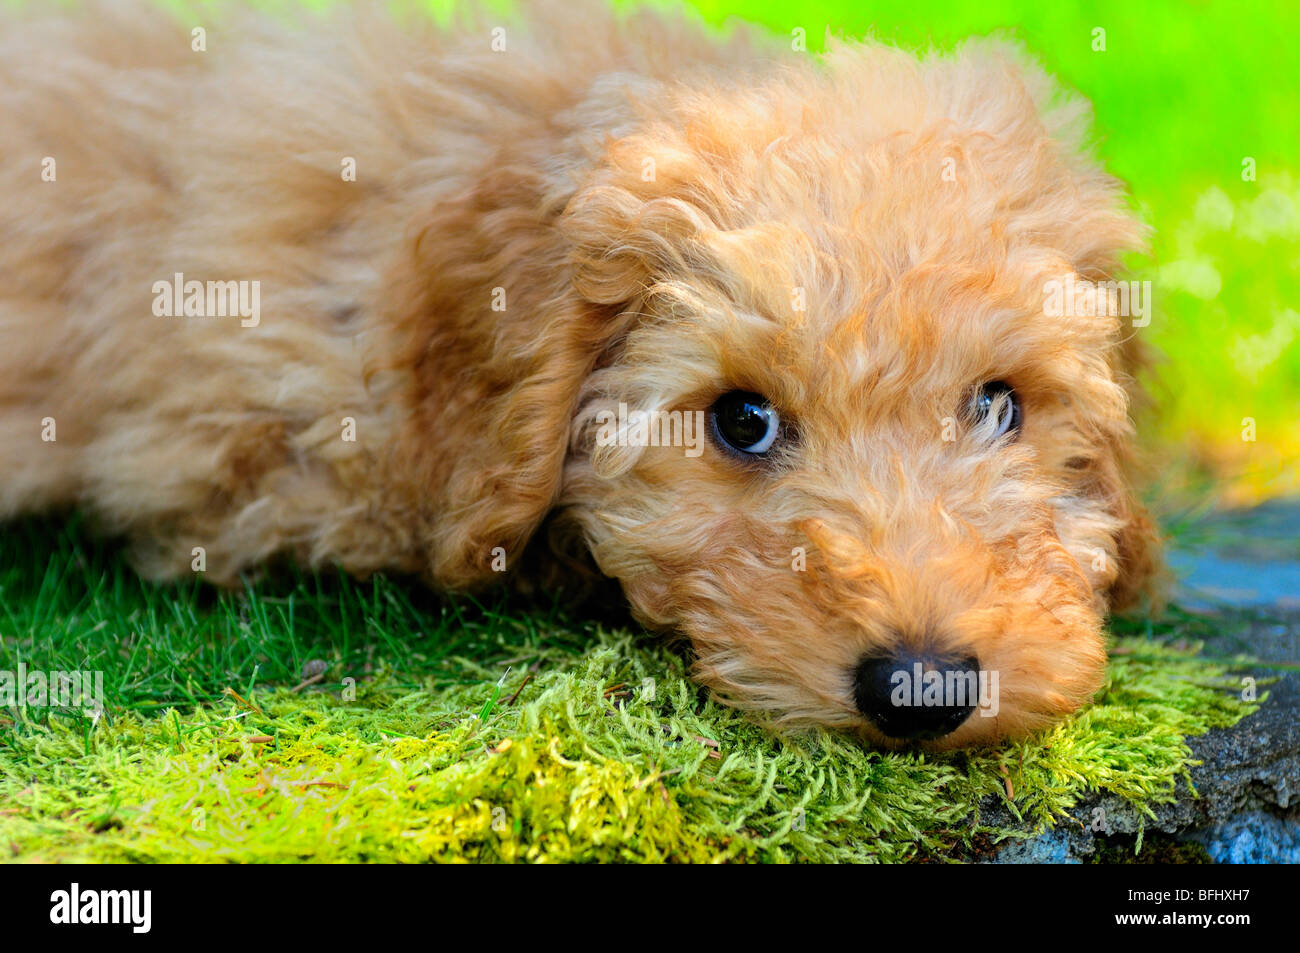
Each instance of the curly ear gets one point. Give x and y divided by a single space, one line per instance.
499 310
490 344
507 476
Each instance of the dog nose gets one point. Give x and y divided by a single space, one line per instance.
916 696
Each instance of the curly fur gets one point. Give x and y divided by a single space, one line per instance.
525 171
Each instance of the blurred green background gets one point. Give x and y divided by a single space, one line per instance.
1184 95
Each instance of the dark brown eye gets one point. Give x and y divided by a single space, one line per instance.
997 400
745 423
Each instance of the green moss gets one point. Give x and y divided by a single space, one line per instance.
586 764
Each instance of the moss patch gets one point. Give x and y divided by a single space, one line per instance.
586 763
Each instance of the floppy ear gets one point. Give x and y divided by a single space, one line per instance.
507 476
491 343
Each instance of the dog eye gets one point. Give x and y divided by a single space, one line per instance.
998 397
744 422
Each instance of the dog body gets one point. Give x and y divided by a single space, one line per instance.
440 260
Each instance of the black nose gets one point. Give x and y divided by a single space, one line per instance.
916 696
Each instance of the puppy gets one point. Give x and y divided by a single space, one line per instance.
763 336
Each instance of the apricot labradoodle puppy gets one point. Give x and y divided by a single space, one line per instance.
359 290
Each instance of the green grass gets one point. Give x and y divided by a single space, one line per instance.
465 731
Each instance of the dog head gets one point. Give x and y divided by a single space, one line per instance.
825 416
